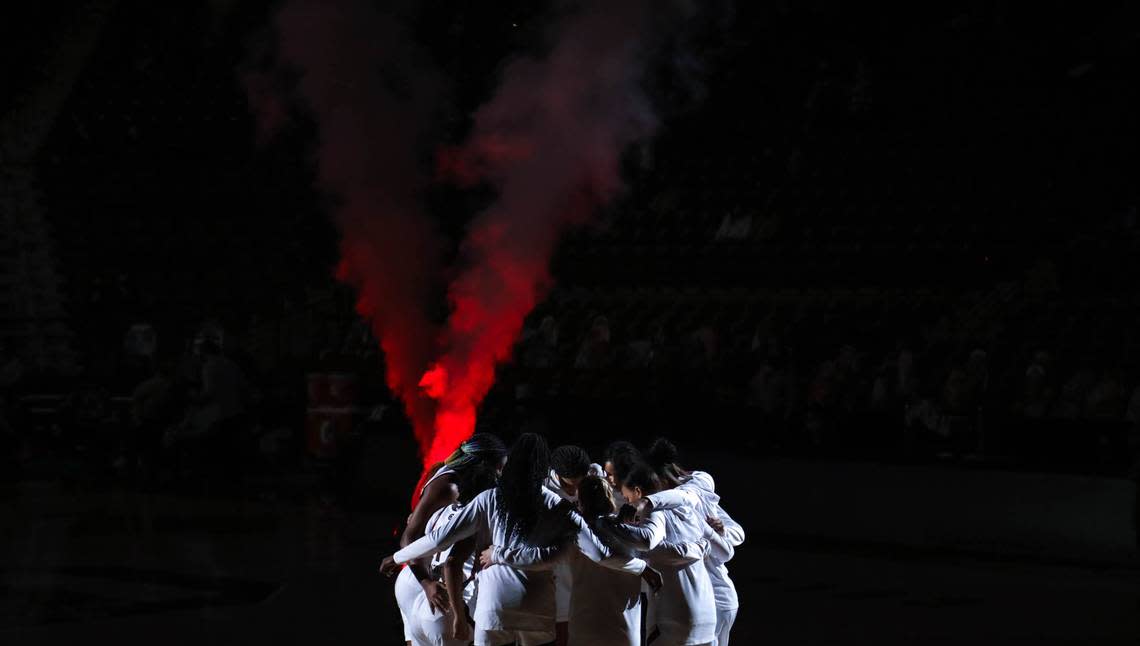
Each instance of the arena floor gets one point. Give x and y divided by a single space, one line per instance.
102 566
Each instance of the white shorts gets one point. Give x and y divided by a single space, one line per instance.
724 621
430 627
500 637
563 583
408 590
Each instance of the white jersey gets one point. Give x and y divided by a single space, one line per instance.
684 611
518 597
605 605
703 485
430 627
724 591
563 570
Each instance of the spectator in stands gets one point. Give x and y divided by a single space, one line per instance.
640 352
215 429
907 379
955 400
977 377
734 226
11 368
707 343
822 399
541 349
153 411
766 391
1105 401
10 441
1074 394
594 352
1036 396
139 345
880 396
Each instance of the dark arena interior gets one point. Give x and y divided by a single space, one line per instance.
871 270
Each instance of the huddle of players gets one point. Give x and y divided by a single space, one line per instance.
549 547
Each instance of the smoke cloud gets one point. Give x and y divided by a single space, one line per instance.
549 141
363 81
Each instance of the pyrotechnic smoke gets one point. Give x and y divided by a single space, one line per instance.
363 81
550 140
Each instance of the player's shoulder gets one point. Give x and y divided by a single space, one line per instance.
485 498
550 498
702 480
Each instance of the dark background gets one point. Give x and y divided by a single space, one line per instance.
896 245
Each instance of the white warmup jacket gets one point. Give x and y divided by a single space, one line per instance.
684 612
518 598
605 605
563 569
724 591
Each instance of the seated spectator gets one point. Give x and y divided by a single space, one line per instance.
594 352
1105 401
734 226
1036 395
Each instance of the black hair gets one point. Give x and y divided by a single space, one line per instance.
595 497
623 456
662 456
475 463
570 461
644 477
520 488
475 479
618 448
480 447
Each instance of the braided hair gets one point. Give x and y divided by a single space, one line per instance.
476 464
520 487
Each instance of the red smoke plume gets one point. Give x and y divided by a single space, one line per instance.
550 140
369 158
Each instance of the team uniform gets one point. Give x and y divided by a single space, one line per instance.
684 612
703 486
516 602
408 589
564 568
430 627
605 606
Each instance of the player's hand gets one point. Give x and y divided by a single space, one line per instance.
389 566
487 557
716 524
643 508
627 513
436 593
653 578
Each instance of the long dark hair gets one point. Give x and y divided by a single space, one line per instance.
622 455
520 488
662 456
